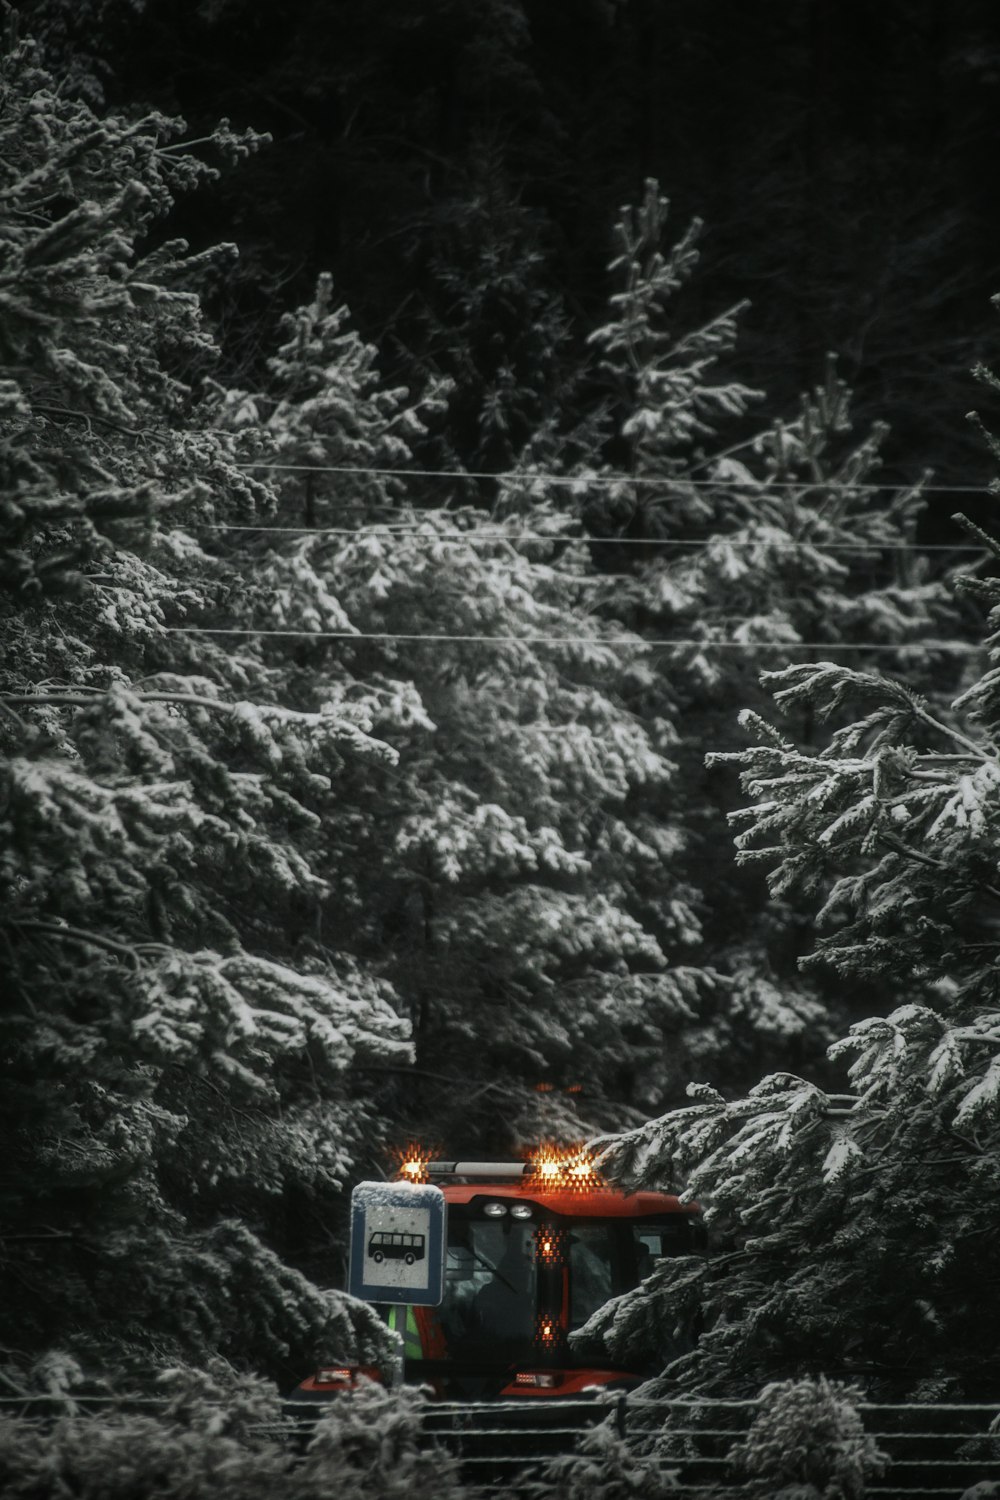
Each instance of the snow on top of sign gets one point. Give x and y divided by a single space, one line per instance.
379 1194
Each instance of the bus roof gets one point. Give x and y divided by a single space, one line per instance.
585 1203
562 1181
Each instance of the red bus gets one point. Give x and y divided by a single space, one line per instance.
533 1250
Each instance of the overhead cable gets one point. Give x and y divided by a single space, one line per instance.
634 641
386 531
583 481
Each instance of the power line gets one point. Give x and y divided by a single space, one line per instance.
584 480
636 642
384 531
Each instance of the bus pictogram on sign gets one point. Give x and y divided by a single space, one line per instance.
383 1245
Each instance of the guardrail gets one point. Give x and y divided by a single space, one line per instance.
935 1451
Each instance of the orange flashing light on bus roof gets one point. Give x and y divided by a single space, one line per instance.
413 1165
565 1168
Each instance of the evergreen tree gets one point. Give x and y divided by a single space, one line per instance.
214 1436
606 1467
516 761
513 873
488 315
176 1074
843 1260
743 553
662 402
807 1442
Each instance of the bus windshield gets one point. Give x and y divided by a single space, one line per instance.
489 1308
513 1292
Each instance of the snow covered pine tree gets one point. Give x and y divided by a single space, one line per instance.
175 1068
742 553
865 1224
473 870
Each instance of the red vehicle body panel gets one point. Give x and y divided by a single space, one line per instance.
574 1202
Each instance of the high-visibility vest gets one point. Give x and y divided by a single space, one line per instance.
420 1329
403 1319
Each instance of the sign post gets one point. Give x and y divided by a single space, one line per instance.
398 1243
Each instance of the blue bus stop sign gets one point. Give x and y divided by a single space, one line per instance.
398 1243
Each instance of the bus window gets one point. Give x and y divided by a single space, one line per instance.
656 1240
591 1282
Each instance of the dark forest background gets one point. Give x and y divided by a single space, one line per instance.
844 159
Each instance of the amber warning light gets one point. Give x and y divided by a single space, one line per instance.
413 1165
547 1333
548 1244
563 1168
